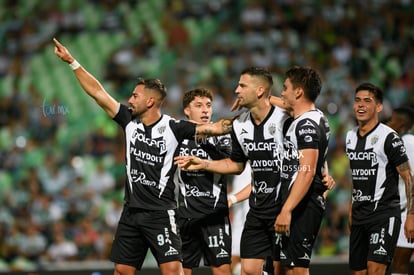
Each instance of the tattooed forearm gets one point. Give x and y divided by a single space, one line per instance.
406 174
206 164
409 188
404 166
226 125
240 166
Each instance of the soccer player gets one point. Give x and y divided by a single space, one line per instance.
302 188
377 156
203 214
256 137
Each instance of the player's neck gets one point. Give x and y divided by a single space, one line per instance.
260 112
150 117
365 127
302 108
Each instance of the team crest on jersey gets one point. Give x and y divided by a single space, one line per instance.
272 128
161 129
374 140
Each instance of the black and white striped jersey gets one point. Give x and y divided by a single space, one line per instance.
262 146
150 152
373 161
202 193
308 131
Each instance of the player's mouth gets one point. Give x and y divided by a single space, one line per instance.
205 119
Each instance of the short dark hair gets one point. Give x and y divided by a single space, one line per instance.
153 84
191 94
407 113
259 72
375 90
306 78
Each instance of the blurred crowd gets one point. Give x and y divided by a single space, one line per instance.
62 204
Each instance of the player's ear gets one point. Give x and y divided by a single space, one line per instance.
186 111
150 102
299 92
260 91
379 107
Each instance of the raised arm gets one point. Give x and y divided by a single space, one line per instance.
274 100
407 175
88 82
218 128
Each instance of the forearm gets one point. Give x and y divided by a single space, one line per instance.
298 190
244 193
409 189
276 101
240 196
223 166
221 127
95 90
304 178
407 175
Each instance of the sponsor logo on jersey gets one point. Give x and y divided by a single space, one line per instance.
282 256
260 146
307 131
357 196
397 144
140 177
243 131
194 191
153 142
263 163
261 187
364 172
144 156
172 251
366 155
193 152
223 254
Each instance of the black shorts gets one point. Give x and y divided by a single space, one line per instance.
304 227
259 239
375 242
209 238
139 230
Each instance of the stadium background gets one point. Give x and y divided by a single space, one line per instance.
61 158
